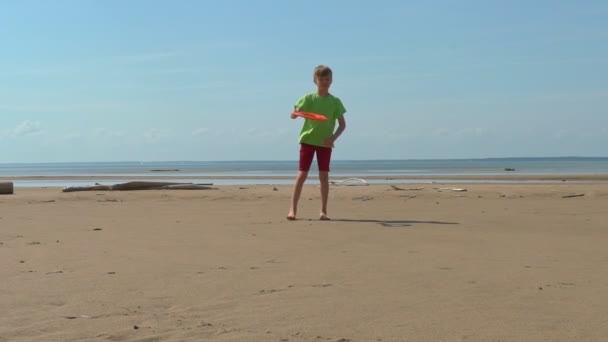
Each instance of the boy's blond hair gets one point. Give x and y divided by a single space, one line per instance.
321 70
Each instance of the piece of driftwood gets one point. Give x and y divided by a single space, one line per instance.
396 188
164 170
188 187
571 196
454 189
6 188
350 182
131 186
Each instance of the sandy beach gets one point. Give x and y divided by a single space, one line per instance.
517 262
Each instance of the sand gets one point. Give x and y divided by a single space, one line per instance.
495 263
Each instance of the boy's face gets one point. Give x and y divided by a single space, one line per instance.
323 82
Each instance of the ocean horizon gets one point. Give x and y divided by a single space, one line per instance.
270 172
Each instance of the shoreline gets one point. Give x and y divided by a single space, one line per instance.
499 177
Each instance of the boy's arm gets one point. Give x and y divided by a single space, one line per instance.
341 121
302 102
341 127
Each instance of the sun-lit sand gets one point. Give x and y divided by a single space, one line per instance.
494 263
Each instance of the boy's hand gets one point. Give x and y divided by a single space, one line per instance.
293 116
329 142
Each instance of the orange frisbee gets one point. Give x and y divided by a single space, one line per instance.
311 116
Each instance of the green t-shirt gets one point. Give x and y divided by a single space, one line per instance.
314 132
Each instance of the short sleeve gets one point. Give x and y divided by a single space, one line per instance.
340 110
303 104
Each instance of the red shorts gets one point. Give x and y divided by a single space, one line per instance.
307 153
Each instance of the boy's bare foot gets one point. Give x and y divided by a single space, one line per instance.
291 216
324 217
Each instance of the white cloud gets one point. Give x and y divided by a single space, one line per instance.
200 132
72 136
26 128
154 135
442 132
108 133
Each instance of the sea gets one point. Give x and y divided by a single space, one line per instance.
274 172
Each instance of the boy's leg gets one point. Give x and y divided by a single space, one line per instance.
324 179
324 159
295 197
307 154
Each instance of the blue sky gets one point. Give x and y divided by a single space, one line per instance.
216 80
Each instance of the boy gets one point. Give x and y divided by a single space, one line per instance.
318 137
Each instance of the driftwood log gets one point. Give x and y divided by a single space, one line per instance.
6 188
131 186
571 196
